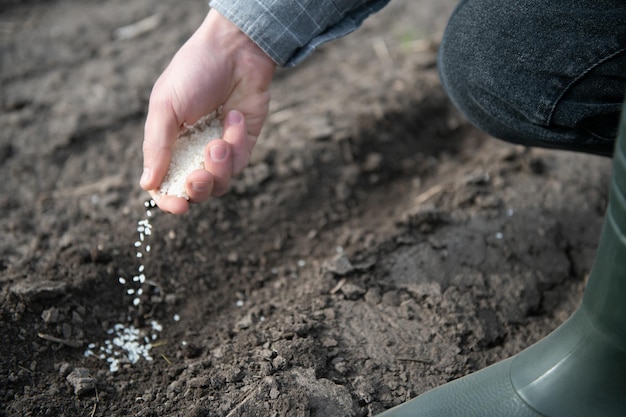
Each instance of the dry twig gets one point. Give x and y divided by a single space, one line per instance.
70 343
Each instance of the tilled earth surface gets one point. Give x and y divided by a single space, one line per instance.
378 246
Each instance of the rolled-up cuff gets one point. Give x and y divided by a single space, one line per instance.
290 30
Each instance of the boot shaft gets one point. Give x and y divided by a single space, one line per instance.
605 296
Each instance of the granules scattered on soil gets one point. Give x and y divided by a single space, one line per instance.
128 344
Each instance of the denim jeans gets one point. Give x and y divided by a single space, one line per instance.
549 73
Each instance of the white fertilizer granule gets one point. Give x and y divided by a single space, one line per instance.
128 344
188 153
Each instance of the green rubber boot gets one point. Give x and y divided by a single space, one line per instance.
579 370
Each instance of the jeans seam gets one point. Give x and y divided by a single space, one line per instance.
578 78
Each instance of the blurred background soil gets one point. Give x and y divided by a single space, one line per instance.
378 245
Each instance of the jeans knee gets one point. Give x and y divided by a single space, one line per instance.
474 77
509 75
480 105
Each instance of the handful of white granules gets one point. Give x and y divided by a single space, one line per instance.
188 153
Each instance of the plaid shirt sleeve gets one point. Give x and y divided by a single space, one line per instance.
290 30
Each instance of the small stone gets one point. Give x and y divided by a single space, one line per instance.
199 382
267 354
352 291
51 315
66 329
340 365
245 323
65 369
266 369
364 389
329 342
329 314
339 265
391 299
174 389
234 374
76 317
372 296
82 381
279 362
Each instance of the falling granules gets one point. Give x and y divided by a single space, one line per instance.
127 343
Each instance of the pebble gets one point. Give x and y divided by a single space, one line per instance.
51 315
65 369
339 265
391 299
82 381
373 296
352 291
199 382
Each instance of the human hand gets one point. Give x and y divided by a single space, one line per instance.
218 66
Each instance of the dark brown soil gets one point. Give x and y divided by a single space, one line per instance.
377 247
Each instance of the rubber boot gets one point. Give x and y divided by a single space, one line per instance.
579 370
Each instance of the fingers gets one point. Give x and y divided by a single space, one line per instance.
199 187
201 184
223 158
160 131
235 133
218 161
169 203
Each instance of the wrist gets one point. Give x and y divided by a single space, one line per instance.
226 37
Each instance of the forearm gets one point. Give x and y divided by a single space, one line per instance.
290 30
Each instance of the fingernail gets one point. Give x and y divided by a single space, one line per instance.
234 117
218 153
146 176
200 186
